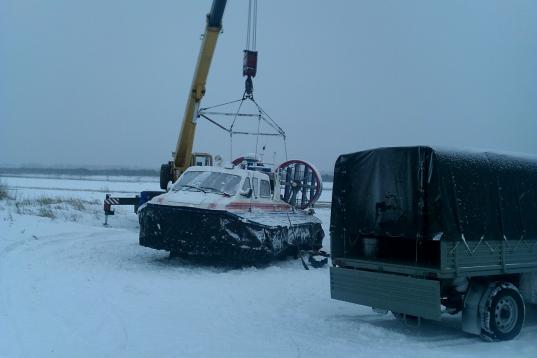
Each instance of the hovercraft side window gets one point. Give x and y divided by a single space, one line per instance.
255 182
265 189
246 186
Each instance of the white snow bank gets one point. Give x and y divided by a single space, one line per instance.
77 289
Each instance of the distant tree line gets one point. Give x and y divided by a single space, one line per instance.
81 171
103 172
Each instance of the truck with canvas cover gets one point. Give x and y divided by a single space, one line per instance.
422 231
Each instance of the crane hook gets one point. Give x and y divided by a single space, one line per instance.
249 70
248 88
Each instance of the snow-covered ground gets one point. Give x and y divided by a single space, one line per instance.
70 287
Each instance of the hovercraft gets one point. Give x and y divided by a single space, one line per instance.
245 213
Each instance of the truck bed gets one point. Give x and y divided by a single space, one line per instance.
458 259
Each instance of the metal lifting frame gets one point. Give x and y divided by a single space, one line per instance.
261 115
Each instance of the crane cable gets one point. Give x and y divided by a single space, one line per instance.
251 29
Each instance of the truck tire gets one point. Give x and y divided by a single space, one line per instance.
165 176
504 312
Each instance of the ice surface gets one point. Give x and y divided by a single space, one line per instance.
77 289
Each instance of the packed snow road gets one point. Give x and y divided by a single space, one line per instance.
72 288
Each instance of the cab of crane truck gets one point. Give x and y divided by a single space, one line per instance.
168 171
201 159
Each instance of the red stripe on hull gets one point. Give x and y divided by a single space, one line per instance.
261 206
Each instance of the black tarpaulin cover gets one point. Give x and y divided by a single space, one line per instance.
423 192
248 238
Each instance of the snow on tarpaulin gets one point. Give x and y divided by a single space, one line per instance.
249 237
424 192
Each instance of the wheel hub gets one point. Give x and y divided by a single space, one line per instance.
506 314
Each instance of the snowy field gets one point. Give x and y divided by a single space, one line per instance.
70 287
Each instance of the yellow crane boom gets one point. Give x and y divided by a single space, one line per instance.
182 157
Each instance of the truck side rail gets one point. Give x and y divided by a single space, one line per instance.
473 258
488 257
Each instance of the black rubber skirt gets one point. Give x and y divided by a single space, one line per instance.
229 237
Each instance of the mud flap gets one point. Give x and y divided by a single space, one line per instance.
406 295
471 321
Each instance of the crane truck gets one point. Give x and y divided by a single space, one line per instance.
183 156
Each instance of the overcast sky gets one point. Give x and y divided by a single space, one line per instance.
104 82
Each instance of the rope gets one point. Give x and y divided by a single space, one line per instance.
220 105
272 122
230 146
231 130
236 115
258 132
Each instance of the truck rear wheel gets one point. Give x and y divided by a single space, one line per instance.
503 314
165 176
